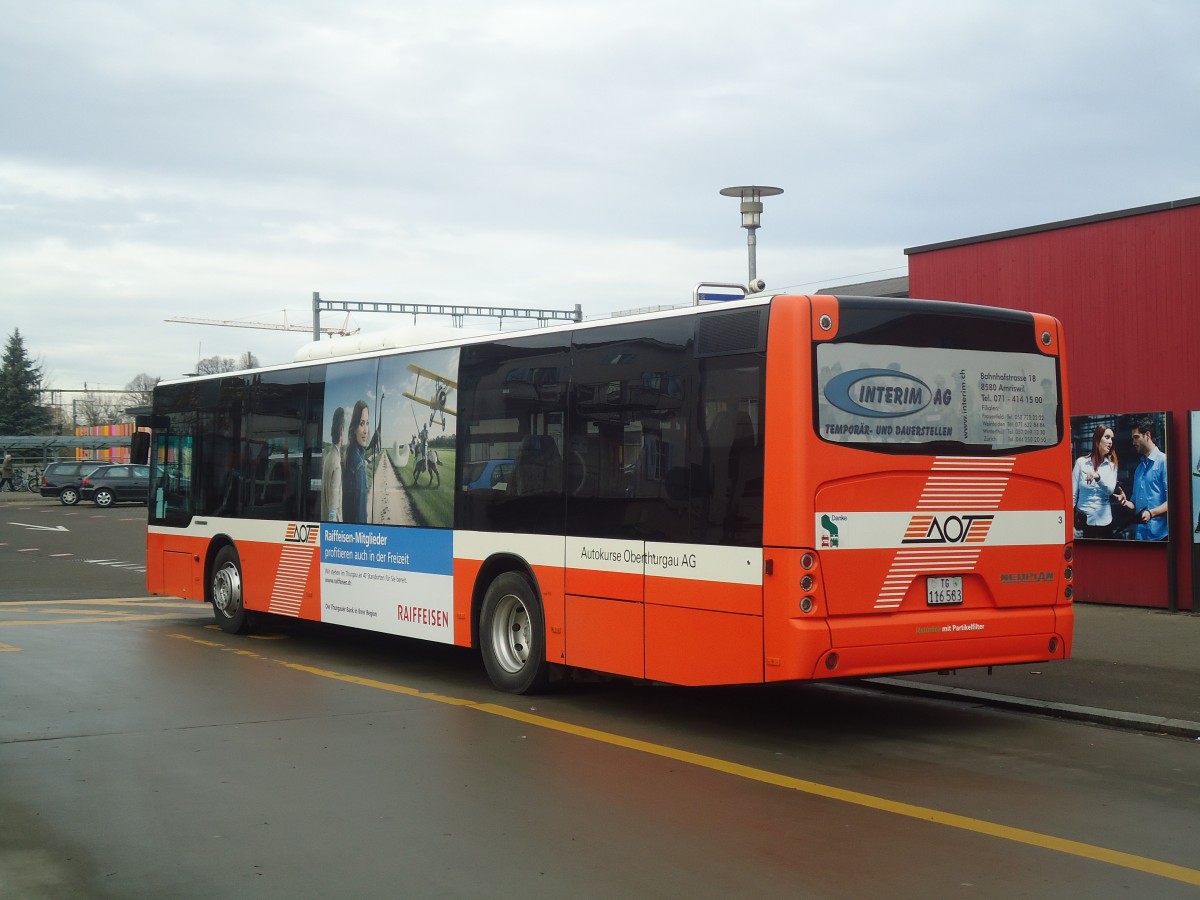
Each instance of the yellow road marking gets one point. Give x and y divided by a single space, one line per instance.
118 601
9 648
88 620
100 611
856 798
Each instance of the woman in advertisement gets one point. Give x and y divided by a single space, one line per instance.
1092 485
355 484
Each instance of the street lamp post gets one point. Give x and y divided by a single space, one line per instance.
751 195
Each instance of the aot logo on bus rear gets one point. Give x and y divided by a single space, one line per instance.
878 393
964 529
301 533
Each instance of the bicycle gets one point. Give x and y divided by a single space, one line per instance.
24 480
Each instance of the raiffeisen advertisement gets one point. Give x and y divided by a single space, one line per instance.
398 580
387 502
902 395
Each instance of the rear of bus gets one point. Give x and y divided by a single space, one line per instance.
917 488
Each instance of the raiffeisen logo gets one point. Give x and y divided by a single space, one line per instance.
878 393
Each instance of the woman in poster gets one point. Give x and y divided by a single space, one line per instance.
355 484
1092 484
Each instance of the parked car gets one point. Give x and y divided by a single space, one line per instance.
487 475
116 484
62 479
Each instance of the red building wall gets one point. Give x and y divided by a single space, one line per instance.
1126 286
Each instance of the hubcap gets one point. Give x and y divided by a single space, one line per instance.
511 633
227 590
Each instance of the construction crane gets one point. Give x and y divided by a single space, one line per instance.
343 330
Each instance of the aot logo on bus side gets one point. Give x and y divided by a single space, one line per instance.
881 393
301 534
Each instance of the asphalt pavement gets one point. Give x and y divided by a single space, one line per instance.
1130 667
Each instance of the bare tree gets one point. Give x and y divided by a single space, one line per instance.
96 409
140 391
214 365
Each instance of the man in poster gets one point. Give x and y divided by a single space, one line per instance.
1149 485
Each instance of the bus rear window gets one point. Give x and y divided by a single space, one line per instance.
932 399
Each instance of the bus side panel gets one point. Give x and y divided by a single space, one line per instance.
787 497
705 576
466 574
718 596
610 568
283 578
541 554
551 586
695 646
793 640
175 566
258 562
605 635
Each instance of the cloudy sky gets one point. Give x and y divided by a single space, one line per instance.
225 160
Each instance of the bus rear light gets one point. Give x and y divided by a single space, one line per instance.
807 582
1068 573
806 604
1068 553
1069 592
807 561
831 661
1053 645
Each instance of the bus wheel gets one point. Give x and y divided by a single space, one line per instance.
225 592
512 635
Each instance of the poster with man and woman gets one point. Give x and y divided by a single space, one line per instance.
1119 478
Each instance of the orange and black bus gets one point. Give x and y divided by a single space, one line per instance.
778 488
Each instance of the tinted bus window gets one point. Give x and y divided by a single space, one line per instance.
274 463
512 396
632 399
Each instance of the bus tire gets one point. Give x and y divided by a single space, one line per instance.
225 592
512 635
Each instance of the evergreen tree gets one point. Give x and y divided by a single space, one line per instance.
21 410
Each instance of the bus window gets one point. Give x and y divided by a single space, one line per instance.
628 426
512 396
731 451
275 443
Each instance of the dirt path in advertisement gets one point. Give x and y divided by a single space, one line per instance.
390 502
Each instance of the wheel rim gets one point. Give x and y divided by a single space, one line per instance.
69 497
104 498
227 590
511 633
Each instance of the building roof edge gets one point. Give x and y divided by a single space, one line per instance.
1054 226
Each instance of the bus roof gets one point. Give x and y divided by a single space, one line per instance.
432 337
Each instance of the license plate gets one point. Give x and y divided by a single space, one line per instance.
943 590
